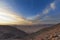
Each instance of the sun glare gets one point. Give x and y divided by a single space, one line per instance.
11 18
5 18
8 18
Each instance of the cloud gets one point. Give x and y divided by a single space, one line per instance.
44 17
49 8
46 11
52 5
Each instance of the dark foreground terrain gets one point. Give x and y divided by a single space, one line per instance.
12 33
8 32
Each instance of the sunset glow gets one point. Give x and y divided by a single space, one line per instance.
7 17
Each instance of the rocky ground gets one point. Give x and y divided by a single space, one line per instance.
49 33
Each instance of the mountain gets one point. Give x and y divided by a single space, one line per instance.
9 32
32 28
49 33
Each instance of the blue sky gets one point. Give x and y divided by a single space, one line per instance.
40 11
28 7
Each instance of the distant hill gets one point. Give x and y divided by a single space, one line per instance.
49 33
9 32
32 28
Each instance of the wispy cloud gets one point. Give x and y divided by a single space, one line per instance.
45 11
52 5
49 8
43 17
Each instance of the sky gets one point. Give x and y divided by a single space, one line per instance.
36 11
